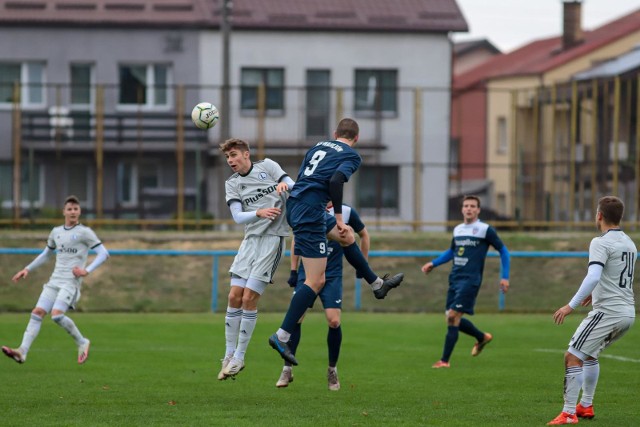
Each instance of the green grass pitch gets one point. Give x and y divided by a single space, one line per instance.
160 369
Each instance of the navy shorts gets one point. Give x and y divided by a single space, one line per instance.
462 296
310 225
331 293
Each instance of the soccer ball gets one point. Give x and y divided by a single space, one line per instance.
205 115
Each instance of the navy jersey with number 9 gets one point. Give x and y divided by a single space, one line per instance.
320 163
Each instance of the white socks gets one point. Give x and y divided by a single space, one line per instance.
283 335
232 329
30 334
68 325
572 384
377 284
590 372
247 325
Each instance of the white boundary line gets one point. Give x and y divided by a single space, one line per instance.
602 356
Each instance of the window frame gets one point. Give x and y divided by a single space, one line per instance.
26 89
135 190
150 87
88 203
82 106
378 73
365 180
38 201
502 135
279 90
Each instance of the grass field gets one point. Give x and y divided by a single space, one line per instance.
160 370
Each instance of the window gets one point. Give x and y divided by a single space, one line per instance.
30 75
501 204
318 107
133 179
454 156
273 80
502 135
376 91
378 189
31 184
81 80
146 85
79 182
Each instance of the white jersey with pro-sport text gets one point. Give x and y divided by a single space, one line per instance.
257 190
72 246
616 253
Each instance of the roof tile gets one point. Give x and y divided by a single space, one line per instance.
543 55
303 15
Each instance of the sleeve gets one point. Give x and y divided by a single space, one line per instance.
505 262
349 165
355 222
444 257
91 238
493 239
241 217
287 180
51 243
588 285
597 252
336 188
275 171
40 259
102 255
231 192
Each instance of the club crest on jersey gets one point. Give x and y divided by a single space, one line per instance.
475 230
262 176
74 237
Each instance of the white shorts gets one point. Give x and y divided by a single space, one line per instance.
58 296
258 257
597 332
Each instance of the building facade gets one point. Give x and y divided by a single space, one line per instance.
106 89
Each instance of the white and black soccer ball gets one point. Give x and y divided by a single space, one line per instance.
205 115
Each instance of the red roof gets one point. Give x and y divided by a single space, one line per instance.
543 55
305 15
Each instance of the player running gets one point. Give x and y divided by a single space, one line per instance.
71 242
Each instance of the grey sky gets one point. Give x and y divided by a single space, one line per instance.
509 24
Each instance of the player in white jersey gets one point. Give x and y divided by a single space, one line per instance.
72 243
608 286
256 194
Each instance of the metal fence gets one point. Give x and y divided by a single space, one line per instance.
217 254
547 152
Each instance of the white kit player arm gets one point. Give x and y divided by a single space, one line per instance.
102 255
241 217
40 259
588 285
287 180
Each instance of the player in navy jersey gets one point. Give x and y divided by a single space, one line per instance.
325 169
469 246
330 295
